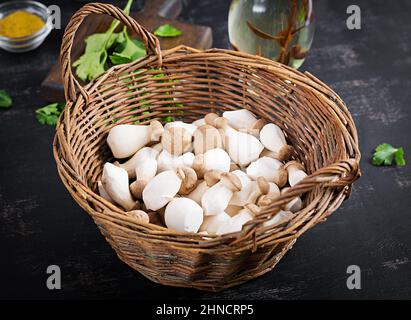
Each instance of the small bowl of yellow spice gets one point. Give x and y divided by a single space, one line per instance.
24 25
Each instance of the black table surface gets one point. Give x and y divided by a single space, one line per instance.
41 225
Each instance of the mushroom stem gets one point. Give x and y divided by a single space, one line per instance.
271 169
272 137
140 157
161 189
295 171
115 182
215 200
242 147
125 140
183 215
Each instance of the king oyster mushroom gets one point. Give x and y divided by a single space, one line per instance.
271 169
183 215
242 147
125 140
272 137
215 199
115 182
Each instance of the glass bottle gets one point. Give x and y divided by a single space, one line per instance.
281 30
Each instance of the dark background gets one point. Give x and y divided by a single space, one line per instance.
41 225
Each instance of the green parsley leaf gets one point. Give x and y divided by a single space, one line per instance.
93 62
167 31
50 113
128 50
5 99
385 154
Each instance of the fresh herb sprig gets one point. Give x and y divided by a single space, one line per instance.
167 31
5 99
385 154
49 114
94 60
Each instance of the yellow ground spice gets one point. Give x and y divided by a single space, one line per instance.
20 24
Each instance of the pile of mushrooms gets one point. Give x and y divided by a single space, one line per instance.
211 176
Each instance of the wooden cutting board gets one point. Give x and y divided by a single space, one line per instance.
154 14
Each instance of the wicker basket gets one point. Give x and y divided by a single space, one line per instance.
188 83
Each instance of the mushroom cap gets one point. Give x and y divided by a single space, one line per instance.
212 177
231 181
210 118
183 215
161 189
156 130
188 180
176 140
125 140
139 215
294 165
205 138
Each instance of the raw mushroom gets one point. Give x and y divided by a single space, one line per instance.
167 161
273 194
176 140
190 127
240 198
198 192
199 122
206 138
294 205
115 182
214 224
244 120
236 222
125 140
139 215
242 147
295 171
215 200
188 180
232 210
240 119
280 218
210 118
212 177
271 169
144 172
272 137
142 155
183 215
261 188
161 189
214 159
103 193
158 147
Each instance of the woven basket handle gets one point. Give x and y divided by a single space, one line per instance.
152 44
338 175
